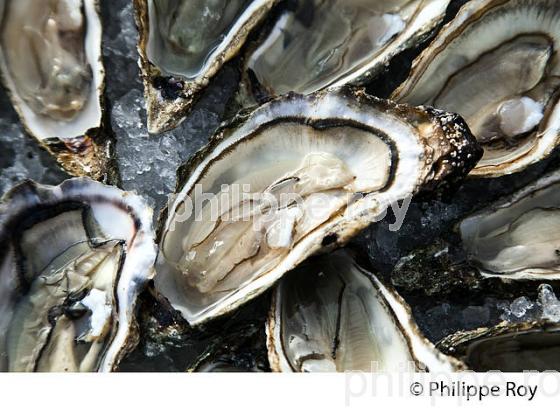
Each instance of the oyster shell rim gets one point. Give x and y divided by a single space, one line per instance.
468 11
165 115
527 274
460 146
91 152
458 343
369 70
136 273
395 306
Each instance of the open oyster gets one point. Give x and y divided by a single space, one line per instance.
183 43
292 176
51 64
496 65
519 236
316 43
507 347
331 315
73 258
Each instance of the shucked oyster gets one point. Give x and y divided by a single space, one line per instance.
496 65
507 347
50 61
519 236
73 258
183 43
319 43
331 315
297 173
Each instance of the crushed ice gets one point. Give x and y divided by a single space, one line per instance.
522 309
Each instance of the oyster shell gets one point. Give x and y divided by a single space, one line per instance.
73 259
331 315
221 368
316 43
51 65
182 46
518 237
507 347
478 67
295 175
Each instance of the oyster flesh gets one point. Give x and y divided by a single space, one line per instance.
518 237
496 65
330 315
51 65
73 259
295 175
319 43
183 44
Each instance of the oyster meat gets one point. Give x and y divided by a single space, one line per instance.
51 64
319 43
295 175
73 259
182 46
496 65
331 315
518 237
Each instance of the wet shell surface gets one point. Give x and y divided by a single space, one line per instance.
73 259
518 237
51 66
297 174
478 67
182 46
507 347
330 315
316 44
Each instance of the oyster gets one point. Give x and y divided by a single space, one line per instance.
518 237
331 315
73 258
507 347
292 176
478 67
220 368
319 43
51 64
183 44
